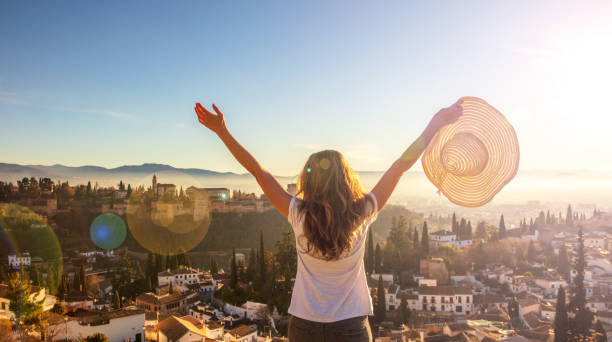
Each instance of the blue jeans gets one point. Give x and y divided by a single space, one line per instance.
356 329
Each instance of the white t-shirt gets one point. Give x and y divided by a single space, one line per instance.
330 291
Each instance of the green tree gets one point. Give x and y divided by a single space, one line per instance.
502 228
531 252
214 267
369 262
83 279
425 241
563 263
378 259
262 259
28 312
582 321
286 256
116 300
380 311
403 314
561 324
97 337
234 271
569 218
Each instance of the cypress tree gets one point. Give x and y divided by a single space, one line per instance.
502 228
378 259
83 278
561 324
369 265
569 218
563 263
415 239
116 300
381 309
425 240
582 320
454 224
214 268
531 252
469 231
262 258
234 274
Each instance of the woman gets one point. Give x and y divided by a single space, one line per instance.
330 216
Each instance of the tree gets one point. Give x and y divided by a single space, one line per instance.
234 274
129 191
214 267
569 218
28 312
116 300
403 314
369 262
380 312
531 252
83 279
561 324
582 321
502 228
378 259
415 239
602 335
563 263
425 241
454 223
97 337
286 256
262 259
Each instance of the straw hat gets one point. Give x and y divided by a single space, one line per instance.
471 160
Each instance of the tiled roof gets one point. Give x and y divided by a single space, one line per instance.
444 290
241 331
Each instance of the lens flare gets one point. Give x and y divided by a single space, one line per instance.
108 231
166 221
28 238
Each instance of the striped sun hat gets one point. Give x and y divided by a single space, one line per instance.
471 160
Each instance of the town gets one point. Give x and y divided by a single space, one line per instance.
431 278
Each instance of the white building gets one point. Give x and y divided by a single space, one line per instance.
181 276
446 237
458 300
551 284
16 261
119 325
392 297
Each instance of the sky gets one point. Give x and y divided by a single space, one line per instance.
114 83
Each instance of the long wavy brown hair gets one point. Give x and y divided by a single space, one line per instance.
333 203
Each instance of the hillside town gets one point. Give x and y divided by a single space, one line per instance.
548 277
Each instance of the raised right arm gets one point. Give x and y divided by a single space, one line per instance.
387 183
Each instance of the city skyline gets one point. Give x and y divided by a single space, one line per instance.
114 84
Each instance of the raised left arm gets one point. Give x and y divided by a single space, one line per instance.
275 193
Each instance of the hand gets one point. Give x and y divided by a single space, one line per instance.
215 123
449 115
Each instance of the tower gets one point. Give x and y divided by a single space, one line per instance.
154 185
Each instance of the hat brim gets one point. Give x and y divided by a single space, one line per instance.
489 127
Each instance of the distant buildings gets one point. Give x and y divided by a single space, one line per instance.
446 237
19 260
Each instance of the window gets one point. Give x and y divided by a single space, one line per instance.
467 299
458 308
459 299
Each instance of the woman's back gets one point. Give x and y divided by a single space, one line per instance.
330 290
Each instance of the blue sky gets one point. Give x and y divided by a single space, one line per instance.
110 83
